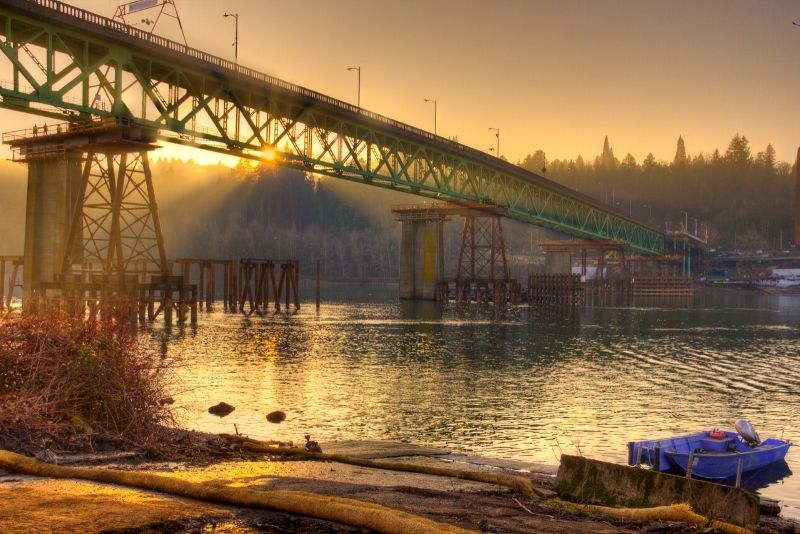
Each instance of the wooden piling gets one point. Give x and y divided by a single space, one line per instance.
555 289
316 295
12 282
2 282
212 287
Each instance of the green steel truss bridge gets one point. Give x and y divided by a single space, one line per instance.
65 63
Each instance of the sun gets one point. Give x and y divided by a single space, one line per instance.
269 154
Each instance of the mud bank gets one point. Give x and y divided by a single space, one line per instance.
29 504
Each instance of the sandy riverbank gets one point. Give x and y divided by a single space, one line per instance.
29 504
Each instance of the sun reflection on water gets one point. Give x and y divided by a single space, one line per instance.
514 384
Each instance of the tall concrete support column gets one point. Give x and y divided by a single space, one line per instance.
421 257
53 188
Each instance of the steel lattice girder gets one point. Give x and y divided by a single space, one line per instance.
64 62
115 222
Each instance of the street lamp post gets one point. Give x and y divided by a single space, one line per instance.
685 221
236 39
649 211
497 134
434 112
695 224
359 82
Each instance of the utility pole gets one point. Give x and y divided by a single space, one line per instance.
359 82
497 134
236 39
434 112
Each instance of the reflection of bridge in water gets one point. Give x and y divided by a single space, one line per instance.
61 62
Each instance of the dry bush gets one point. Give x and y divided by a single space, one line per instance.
79 383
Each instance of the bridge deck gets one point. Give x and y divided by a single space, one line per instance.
245 110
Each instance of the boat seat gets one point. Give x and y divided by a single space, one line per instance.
716 445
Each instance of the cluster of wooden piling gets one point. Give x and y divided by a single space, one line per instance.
562 289
97 295
167 295
248 284
662 286
463 290
7 285
256 279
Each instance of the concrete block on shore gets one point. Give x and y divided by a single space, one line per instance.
593 481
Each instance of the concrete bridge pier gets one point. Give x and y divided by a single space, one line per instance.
53 189
91 211
421 255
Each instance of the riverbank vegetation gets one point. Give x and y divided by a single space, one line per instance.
82 385
742 199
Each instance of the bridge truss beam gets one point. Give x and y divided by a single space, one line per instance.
62 62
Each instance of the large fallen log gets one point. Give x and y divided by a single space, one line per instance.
675 512
337 509
522 485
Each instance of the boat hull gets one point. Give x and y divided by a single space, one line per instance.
710 458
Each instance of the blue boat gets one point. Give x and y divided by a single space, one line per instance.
713 455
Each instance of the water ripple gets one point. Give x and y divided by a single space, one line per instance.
519 385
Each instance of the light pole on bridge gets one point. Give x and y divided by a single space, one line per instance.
236 38
359 82
497 134
434 113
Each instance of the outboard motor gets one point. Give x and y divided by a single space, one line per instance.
747 432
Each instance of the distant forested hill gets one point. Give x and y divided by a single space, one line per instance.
278 213
218 212
745 200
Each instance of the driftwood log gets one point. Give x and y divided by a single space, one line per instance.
341 510
522 485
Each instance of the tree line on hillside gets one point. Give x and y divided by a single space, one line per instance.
743 201
264 212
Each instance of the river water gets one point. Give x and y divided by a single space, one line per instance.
513 384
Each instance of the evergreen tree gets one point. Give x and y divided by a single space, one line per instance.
766 159
536 163
680 154
607 159
738 153
629 161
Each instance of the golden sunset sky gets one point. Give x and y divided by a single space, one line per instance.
556 75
